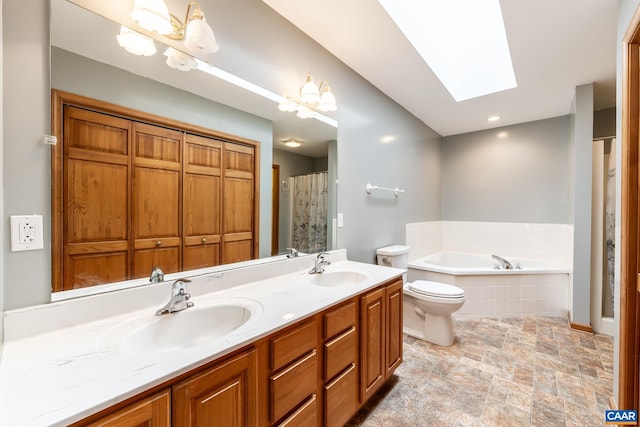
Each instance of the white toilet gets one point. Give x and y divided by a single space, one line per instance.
427 305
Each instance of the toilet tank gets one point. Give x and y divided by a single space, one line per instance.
393 256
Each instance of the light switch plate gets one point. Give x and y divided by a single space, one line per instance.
26 232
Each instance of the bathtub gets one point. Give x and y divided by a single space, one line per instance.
537 288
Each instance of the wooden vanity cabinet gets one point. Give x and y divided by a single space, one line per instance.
225 395
152 411
340 372
293 382
380 337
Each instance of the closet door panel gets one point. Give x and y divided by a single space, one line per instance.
156 203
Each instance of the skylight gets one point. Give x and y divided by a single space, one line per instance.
464 42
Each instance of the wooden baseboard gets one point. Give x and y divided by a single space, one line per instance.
578 326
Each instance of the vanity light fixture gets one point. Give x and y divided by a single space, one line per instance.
311 98
292 142
153 15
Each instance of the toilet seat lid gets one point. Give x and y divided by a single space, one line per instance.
436 289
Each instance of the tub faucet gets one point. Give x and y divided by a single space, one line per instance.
503 262
320 263
157 275
179 298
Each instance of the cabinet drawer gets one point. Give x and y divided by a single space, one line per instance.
293 385
341 397
340 319
340 352
305 416
288 347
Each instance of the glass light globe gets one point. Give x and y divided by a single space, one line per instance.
200 38
309 93
152 15
179 60
135 43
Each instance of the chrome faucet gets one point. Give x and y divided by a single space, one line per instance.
503 262
157 275
320 263
293 253
179 298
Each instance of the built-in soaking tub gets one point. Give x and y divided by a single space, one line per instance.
534 287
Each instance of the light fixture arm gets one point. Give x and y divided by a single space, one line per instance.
179 27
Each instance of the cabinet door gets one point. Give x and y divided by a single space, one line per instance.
372 326
393 294
96 202
239 215
156 199
153 411
225 395
341 398
202 202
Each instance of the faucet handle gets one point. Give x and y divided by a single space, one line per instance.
179 285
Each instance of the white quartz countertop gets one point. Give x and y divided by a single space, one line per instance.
59 376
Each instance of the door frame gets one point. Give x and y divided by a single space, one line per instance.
628 376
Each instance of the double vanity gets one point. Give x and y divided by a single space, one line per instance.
264 344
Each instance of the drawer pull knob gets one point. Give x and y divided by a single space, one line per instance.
159 242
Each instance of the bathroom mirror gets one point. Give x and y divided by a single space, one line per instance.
79 36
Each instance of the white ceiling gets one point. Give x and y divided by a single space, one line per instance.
555 46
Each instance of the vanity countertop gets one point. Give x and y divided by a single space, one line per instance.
59 376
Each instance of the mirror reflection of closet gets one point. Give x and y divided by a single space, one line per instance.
95 66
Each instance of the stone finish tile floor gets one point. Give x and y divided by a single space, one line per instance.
531 371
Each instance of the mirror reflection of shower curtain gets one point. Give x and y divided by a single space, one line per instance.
610 215
309 212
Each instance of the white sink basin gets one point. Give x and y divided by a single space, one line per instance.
205 322
338 278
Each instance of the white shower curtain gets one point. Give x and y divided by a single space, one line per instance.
309 212
610 215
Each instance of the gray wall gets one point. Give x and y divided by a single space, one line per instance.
292 164
510 174
583 153
410 162
26 162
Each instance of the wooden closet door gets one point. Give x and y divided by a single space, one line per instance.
95 198
202 202
239 208
156 199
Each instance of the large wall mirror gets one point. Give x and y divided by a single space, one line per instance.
86 60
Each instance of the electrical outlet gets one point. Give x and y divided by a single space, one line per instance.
26 232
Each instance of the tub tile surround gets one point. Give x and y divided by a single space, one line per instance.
501 294
52 371
549 242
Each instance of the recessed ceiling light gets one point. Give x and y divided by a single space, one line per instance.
292 142
493 118
464 42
